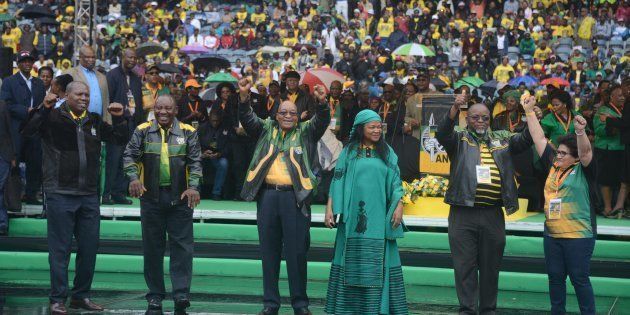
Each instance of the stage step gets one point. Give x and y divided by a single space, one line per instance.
229 278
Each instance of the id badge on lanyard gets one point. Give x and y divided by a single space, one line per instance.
555 209
483 174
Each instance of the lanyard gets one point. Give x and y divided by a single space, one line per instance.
196 107
333 106
564 125
385 110
518 121
562 176
617 110
270 102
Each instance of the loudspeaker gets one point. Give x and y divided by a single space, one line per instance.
6 62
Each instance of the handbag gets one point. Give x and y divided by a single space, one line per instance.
13 190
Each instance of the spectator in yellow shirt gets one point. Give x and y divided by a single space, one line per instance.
241 15
4 6
564 30
504 71
543 52
385 27
258 17
10 40
585 30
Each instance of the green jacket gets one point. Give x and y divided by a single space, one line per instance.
141 159
607 137
299 147
554 129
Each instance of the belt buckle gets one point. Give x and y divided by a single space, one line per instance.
277 188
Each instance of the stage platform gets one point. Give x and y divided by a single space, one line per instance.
210 211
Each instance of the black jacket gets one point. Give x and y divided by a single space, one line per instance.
7 151
118 88
184 109
141 159
71 149
215 139
463 152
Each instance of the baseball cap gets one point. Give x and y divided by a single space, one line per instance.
191 83
23 55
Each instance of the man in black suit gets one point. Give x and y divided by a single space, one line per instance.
22 93
7 161
125 87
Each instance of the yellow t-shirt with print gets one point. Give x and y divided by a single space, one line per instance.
542 54
385 28
9 40
258 18
502 73
241 16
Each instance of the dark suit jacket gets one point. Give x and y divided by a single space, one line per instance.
304 102
117 84
6 134
17 96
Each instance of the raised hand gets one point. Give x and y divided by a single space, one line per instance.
116 109
50 100
320 93
579 123
528 103
244 87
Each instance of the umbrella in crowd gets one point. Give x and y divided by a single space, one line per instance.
274 49
194 49
438 83
149 48
35 11
6 17
557 82
489 87
472 82
413 49
528 80
211 62
48 21
169 68
221 77
322 76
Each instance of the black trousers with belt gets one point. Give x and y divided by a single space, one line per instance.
281 225
68 216
158 220
477 239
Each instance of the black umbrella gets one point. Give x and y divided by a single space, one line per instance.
149 48
489 87
211 62
48 21
438 83
169 68
35 11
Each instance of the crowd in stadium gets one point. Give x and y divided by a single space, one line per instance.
572 57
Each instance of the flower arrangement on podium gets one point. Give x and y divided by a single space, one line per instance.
425 196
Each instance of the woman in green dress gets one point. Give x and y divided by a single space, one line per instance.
365 194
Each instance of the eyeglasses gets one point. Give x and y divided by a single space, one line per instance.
561 154
153 73
477 118
287 113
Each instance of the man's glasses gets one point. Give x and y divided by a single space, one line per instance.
287 113
477 118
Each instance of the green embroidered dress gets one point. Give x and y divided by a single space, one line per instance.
366 274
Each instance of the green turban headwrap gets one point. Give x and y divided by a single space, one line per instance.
516 94
363 117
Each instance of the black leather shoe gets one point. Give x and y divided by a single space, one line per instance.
58 309
33 201
122 201
154 305
268 311
181 305
302 311
4 230
107 201
85 304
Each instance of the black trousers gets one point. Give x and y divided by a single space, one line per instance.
282 225
158 220
477 240
242 153
115 180
70 215
32 157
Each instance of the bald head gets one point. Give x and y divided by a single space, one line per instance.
478 118
75 85
87 57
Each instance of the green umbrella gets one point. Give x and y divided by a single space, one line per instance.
413 49
221 77
6 17
472 82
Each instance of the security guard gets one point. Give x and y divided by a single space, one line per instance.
281 177
168 153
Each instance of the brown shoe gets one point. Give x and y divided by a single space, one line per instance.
85 304
58 308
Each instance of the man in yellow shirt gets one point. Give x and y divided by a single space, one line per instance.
585 30
503 72
385 27
9 39
543 52
564 30
259 16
